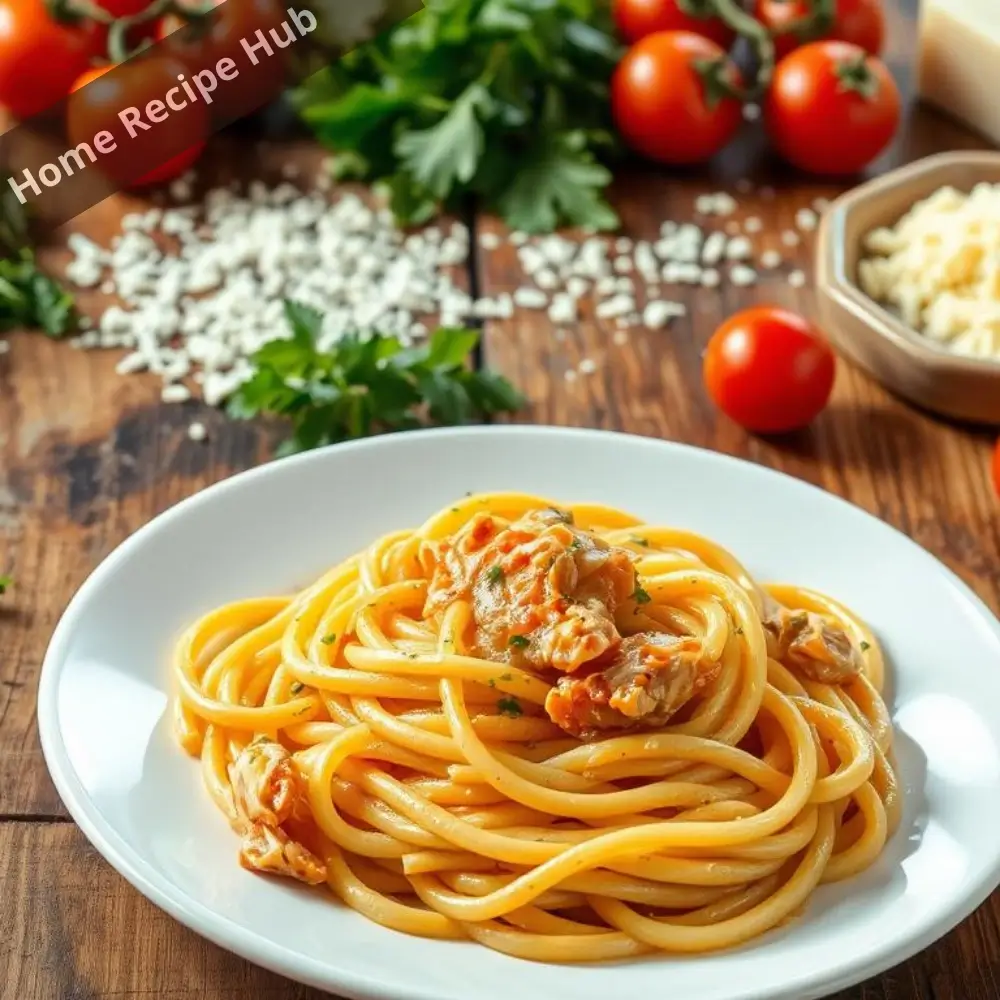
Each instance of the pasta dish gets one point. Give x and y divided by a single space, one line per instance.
550 729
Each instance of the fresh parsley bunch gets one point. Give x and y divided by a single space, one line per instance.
506 100
367 384
29 298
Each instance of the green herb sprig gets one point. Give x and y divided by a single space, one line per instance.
367 384
29 298
504 100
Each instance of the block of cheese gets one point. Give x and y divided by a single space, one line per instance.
959 69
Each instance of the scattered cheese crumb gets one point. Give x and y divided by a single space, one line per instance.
489 241
797 279
753 224
770 259
620 338
743 276
177 393
791 238
806 219
751 112
197 431
587 367
570 375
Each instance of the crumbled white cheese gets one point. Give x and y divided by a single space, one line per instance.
743 276
797 279
770 259
754 224
197 431
588 367
791 238
938 267
806 219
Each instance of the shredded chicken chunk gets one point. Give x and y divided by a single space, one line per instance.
807 642
268 791
544 593
646 681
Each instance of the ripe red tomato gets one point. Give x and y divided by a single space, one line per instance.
39 57
233 21
832 108
135 83
860 22
769 370
664 101
128 8
996 468
638 18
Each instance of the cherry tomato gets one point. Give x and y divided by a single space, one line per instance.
666 101
235 20
832 108
638 18
996 468
39 57
769 370
128 8
860 22
135 83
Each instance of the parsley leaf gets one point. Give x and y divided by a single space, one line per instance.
559 180
865 646
6 582
29 298
519 641
636 540
328 640
495 575
640 596
447 153
510 707
366 384
296 687
504 100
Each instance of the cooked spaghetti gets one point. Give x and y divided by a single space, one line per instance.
557 731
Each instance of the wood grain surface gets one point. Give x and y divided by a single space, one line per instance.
87 457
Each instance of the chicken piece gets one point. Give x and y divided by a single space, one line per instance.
541 582
649 677
807 642
268 791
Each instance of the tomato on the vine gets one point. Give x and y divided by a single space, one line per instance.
129 8
832 108
860 22
769 370
671 100
220 38
39 56
638 18
996 467
135 83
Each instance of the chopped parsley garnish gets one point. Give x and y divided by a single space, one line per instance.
296 687
507 677
640 596
495 575
519 641
492 682
636 540
510 707
328 639
564 515
865 646
738 630
5 582
456 510
576 544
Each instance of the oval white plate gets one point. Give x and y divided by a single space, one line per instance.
105 724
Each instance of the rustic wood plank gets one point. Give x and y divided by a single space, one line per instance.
88 456
71 927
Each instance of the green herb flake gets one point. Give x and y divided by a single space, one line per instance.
865 646
329 639
296 687
6 582
636 540
519 641
507 677
738 630
640 596
495 575
510 707
492 682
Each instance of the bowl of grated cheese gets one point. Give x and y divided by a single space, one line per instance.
908 276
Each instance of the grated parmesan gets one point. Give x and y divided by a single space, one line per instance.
938 268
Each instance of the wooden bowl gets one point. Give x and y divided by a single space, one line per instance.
905 362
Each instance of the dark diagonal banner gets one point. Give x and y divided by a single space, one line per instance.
130 125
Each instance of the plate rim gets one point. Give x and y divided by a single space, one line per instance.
296 966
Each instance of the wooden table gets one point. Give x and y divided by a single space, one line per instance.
87 457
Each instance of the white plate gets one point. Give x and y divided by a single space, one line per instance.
105 726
